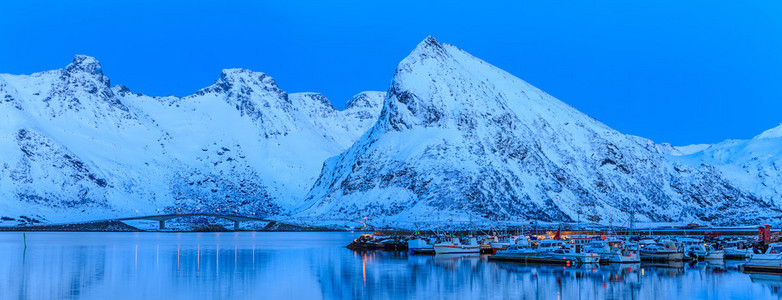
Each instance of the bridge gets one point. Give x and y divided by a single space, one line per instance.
163 218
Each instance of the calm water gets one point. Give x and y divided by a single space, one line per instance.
250 265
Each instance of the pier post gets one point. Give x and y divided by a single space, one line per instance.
236 225
162 224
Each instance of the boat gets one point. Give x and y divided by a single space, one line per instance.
667 250
736 249
502 243
548 253
452 244
573 253
765 260
615 251
707 252
420 245
697 249
521 252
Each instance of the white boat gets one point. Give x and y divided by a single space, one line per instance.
698 249
646 242
615 251
707 252
548 252
514 253
502 242
736 248
575 253
452 244
768 260
522 251
667 250
420 245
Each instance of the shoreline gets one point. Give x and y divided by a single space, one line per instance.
119 226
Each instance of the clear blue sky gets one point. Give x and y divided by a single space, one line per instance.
669 70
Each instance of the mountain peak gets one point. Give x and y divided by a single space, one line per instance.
84 63
245 76
365 100
246 81
429 47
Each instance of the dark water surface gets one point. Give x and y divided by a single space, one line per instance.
249 265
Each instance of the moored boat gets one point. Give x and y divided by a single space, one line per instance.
502 243
667 250
736 249
699 250
766 260
453 244
615 251
420 245
566 254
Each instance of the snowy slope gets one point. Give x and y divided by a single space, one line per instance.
754 165
74 148
458 138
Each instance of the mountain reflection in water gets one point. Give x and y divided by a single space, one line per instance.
248 265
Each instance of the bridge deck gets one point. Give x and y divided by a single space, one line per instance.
173 216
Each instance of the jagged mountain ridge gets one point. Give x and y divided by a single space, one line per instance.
77 149
458 138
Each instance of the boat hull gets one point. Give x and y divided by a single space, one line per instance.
632 257
546 259
453 249
738 253
662 256
429 250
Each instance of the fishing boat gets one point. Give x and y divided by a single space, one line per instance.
565 254
766 260
420 245
667 250
502 242
615 251
452 244
575 253
521 252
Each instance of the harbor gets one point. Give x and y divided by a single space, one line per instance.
759 251
316 265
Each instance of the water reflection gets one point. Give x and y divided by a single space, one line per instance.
316 266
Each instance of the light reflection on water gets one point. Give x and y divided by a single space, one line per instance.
249 265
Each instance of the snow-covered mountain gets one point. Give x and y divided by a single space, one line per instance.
753 165
460 139
456 139
74 148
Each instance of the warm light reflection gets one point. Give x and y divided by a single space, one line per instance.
364 266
